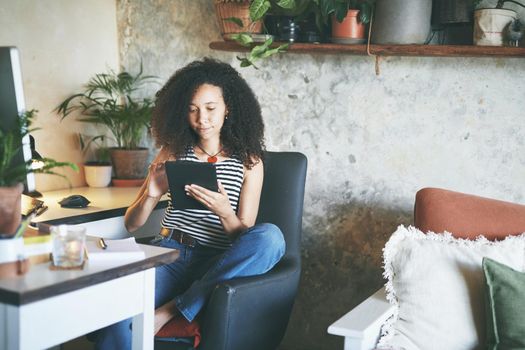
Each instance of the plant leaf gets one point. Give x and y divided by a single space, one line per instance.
243 39
340 10
258 9
365 13
286 4
235 20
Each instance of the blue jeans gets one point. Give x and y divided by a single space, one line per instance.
191 278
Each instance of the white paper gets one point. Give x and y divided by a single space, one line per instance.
117 249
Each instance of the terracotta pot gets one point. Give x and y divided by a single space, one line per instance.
129 163
10 208
226 10
350 31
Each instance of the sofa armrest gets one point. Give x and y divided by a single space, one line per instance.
361 326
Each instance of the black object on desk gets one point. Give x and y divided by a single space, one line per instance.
74 201
183 172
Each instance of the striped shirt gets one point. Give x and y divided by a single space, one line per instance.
202 224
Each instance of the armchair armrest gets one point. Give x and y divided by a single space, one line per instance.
233 316
361 326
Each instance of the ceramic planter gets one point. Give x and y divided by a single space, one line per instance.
98 175
129 163
225 10
350 30
401 22
10 208
489 25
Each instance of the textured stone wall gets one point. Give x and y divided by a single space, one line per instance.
371 141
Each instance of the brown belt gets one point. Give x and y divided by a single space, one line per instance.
179 236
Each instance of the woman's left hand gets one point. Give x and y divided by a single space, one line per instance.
217 202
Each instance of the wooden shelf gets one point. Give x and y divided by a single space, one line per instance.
390 50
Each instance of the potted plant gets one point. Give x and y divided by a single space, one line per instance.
97 167
12 174
237 16
246 31
109 99
348 18
294 21
490 23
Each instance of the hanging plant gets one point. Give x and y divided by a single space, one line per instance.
258 9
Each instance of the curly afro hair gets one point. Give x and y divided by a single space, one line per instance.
242 134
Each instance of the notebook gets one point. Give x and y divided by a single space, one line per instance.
116 250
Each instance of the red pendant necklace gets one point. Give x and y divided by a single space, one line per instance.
212 158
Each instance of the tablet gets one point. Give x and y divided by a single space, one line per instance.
184 172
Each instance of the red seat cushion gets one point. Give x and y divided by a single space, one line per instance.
179 327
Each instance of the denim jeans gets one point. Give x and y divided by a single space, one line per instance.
191 278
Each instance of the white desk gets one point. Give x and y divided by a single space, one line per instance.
44 308
104 217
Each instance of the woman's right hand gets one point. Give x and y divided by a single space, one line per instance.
157 180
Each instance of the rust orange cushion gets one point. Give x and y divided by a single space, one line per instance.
467 216
179 327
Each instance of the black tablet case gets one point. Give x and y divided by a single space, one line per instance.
184 172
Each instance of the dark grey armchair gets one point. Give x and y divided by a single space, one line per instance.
253 312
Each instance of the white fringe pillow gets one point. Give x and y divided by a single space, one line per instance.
436 283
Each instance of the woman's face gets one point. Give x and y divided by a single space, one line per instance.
207 111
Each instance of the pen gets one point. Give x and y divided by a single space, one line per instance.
21 229
102 243
41 210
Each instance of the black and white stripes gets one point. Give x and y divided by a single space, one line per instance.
204 225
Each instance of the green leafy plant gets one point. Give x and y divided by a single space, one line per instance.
258 9
339 8
108 99
500 3
95 149
10 146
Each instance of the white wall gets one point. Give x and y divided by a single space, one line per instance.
62 44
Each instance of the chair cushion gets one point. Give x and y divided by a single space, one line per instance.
505 304
179 329
436 283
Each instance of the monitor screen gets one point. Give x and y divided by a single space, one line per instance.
12 103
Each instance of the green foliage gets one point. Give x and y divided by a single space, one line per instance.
322 9
339 8
258 9
96 147
10 146
108 100
260 51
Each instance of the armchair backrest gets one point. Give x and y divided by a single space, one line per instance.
467 216
283 195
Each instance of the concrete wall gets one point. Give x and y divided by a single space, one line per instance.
372 142
62 44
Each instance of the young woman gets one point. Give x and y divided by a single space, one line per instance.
206 112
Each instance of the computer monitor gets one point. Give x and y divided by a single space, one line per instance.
12 104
